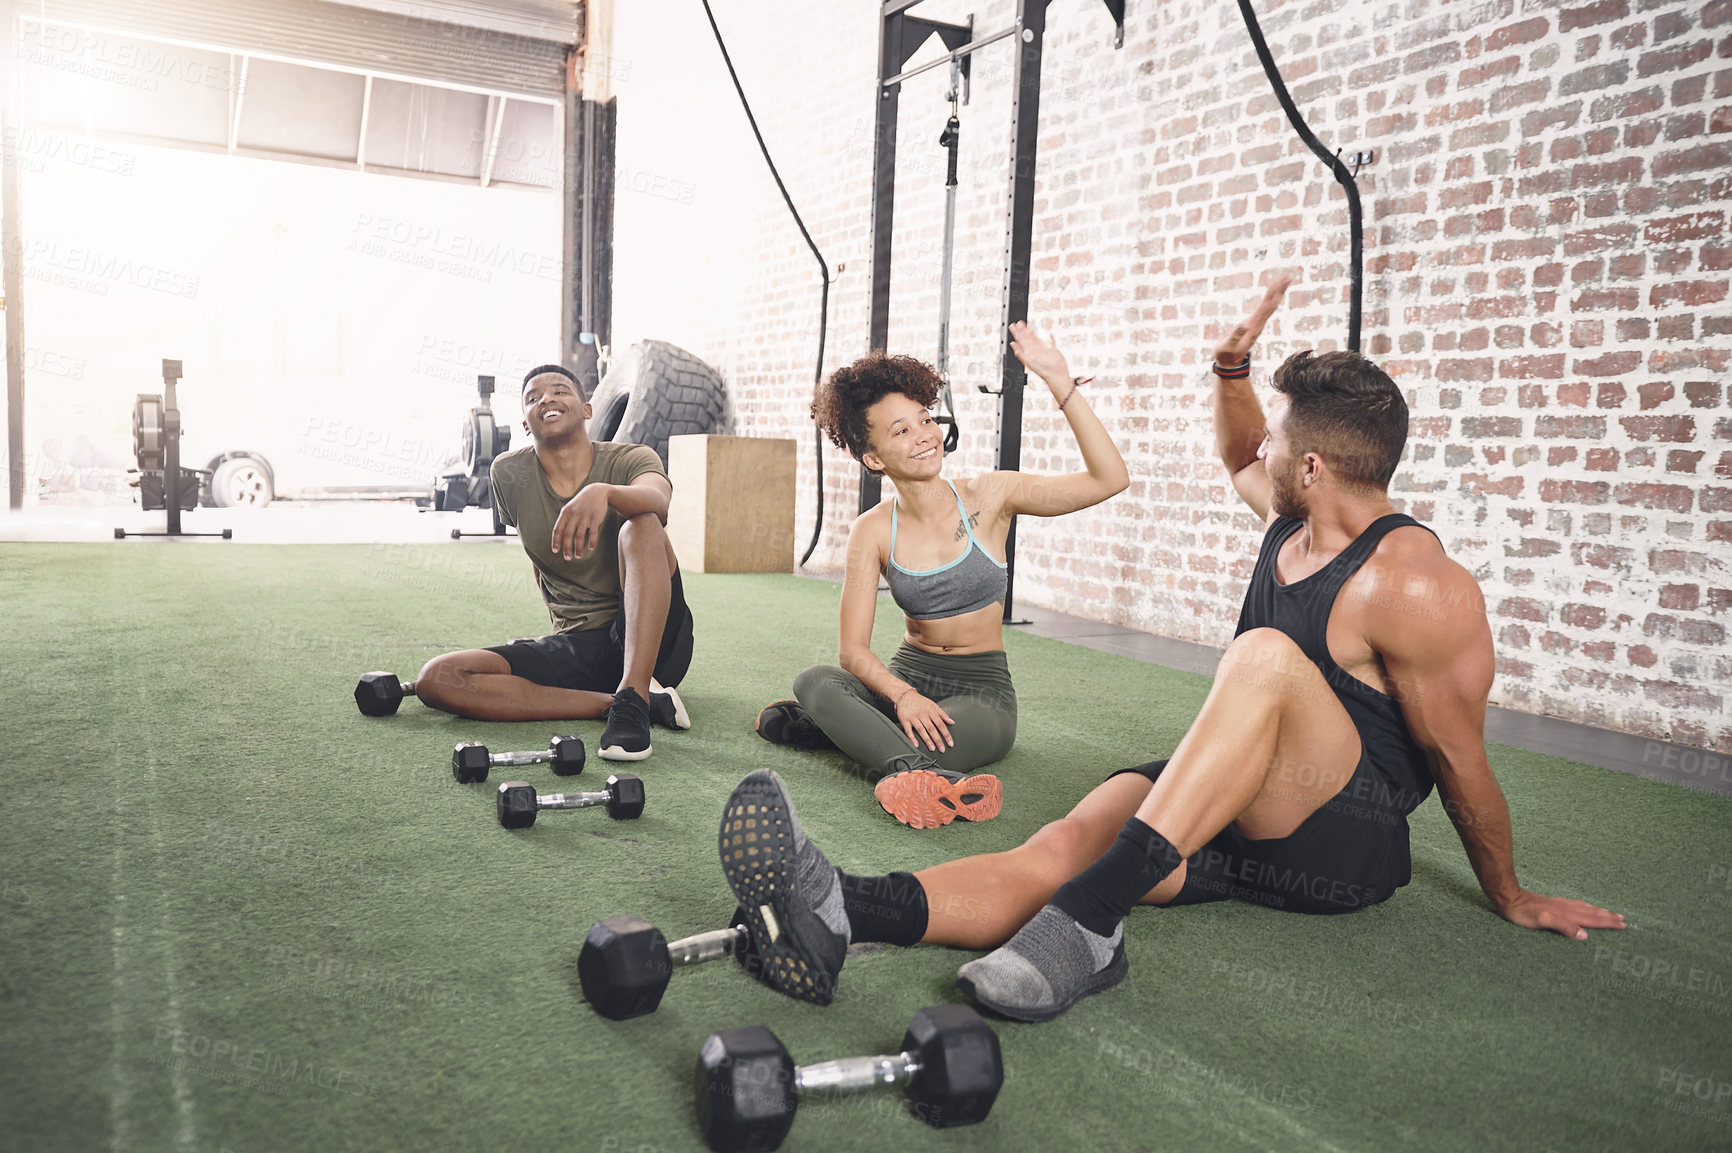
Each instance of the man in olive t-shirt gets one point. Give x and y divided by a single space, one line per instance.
591 517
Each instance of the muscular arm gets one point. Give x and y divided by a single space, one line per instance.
1239 427
580 521
650 492
1437 650
1238 434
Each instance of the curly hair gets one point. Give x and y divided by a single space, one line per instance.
839 405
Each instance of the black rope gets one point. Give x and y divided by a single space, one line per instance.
824 304
1331 160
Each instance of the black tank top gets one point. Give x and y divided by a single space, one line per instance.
1301 611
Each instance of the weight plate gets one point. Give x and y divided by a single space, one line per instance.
147 431
479 441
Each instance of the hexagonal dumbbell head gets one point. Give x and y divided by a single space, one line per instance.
516 804
745 1084
961 1070
469 763
567 756
378 694
624 967
624 797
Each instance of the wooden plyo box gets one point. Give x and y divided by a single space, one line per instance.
733 506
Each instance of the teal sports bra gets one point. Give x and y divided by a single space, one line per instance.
971 581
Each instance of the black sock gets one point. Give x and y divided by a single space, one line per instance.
891 909
1100 896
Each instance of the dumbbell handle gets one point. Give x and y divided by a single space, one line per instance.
532 757
856 1073
707 946
570 800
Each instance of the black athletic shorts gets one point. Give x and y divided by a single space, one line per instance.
1350 853
593 660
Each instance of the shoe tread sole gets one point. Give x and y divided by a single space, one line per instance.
757 850
922 799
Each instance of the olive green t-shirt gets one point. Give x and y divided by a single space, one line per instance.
581 593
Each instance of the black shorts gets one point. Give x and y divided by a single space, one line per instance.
593 660
1350 853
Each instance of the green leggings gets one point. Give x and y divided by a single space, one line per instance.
973 688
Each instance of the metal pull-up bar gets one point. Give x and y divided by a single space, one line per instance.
899 37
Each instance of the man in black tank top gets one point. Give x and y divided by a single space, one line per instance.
1357 681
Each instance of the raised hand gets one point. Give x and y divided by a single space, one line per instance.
1039 356
1236 348
1564 916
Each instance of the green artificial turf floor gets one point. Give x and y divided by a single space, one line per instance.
235 915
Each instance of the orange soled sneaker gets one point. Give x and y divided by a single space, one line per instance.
929 798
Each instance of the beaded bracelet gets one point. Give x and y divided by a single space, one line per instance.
1076 382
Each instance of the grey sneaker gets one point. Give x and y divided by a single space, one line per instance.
787 889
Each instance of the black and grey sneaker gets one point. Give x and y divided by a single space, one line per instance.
788 891
666 708
627 735
788 723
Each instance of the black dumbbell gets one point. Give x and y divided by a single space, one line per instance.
379 694
471 760
626 962
518 801
748 1086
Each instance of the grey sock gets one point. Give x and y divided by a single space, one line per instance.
816 874
1049 965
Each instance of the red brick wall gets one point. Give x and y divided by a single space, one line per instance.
1547 272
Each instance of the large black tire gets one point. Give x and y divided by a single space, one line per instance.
656 390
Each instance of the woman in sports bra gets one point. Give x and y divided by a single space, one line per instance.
944 706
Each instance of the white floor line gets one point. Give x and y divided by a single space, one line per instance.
186 1136
122 1136
1296 1134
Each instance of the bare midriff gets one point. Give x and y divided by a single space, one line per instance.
981 631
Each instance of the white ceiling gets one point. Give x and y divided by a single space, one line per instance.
542 19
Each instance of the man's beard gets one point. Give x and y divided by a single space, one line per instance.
1285 496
